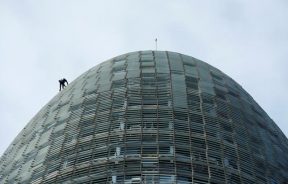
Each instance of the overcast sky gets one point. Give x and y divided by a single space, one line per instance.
42 41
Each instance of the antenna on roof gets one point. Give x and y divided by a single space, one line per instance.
156 43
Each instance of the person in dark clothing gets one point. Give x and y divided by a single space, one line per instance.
62 83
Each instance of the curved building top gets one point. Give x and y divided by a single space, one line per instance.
149 116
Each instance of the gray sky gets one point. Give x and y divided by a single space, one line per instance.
42 41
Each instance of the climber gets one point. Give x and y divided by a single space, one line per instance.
62 83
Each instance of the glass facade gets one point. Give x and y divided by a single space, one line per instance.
149 117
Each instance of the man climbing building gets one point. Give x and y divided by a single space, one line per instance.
62 83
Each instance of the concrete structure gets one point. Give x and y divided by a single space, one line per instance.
149 117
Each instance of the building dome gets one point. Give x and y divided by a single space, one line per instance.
149 117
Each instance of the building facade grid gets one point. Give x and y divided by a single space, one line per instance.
149 117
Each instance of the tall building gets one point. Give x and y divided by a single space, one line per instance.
149 117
